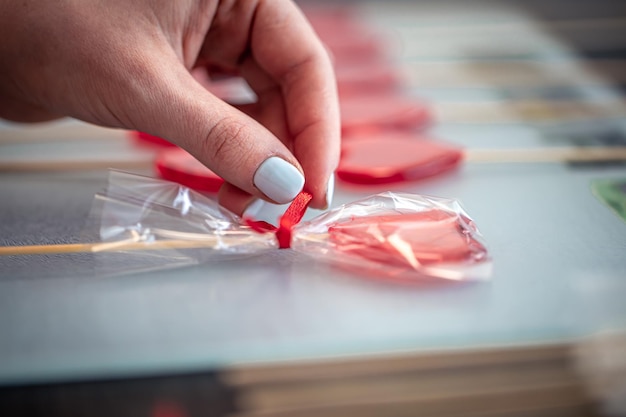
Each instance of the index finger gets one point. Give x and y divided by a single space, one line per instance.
285 46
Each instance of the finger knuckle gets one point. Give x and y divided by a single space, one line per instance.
225 142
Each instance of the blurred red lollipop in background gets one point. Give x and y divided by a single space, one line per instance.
179 166
357 78
148 139
390 157
345 33
382 110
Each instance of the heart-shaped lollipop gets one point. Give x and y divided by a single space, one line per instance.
359 77
148 139
389 157
400 236
364 112
408 240
179 166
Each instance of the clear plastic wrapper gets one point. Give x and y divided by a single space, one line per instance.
400 236
159 224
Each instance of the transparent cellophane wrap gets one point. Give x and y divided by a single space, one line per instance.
144 224
398 236
141 223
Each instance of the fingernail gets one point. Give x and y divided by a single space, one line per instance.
330 190
254 208
279 180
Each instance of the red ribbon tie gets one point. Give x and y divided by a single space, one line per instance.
287 221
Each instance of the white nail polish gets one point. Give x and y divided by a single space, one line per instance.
254 208
278 179
330 190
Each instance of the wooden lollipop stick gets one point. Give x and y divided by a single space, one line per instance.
107 247
549 154
209 242
76 165
46 249
177 240
59 132
99 247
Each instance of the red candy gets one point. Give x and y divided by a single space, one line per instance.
398 236
144 138
370 77
179 166
345 34
390 157
408 240
374 111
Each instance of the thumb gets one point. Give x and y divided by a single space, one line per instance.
232 144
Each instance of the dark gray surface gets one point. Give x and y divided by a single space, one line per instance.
41 209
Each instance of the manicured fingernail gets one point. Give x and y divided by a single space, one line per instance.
330 190
254 208
279 180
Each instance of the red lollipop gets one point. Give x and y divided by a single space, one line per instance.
355 45
345 33
389 157
399 236
146 138
364 112
179 166
371 76
408 240
327 20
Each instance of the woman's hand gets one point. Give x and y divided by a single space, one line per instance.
127 64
